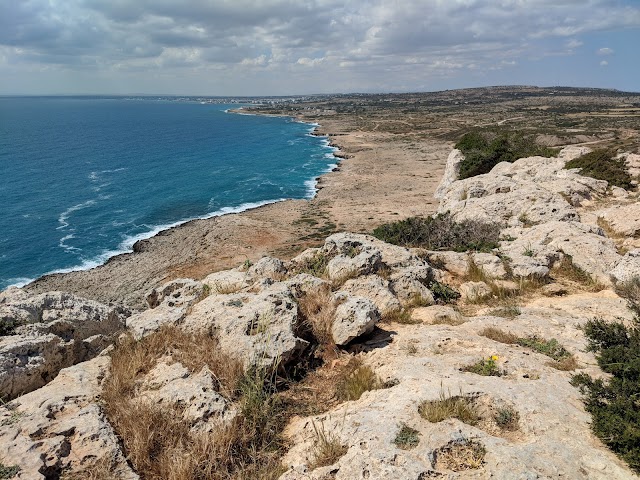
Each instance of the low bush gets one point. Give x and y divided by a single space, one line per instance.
8 472
407 437
613 403
600 164
487 367
441 232
443 293
507 418
482 153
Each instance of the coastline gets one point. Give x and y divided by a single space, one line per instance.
381 180
128 245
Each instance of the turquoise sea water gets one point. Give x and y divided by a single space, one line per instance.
81 179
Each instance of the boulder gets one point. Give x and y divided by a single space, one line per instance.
194 394
343 267
408 284
627 267
622 220
354 317
474 291
451 172
535 249
255 328
375 289
61 427
168 305
52 331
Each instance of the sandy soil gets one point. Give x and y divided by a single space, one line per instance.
385 177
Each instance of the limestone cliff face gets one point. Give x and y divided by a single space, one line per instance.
549 214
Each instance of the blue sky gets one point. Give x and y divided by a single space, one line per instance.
285 47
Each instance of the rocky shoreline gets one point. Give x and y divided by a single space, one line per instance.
565 241
373 185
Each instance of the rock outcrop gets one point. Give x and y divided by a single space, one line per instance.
50 332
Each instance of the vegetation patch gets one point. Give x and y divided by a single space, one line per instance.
8 472
568 270
327 449
316 265
462 407
561 358
459 455
507 418
441 232
317 309
487 367
508 311
600 164
613 403
483 151
407 437
356 380
498 335
443 293
550 348
161 444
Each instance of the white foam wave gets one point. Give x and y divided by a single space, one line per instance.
19 281
68 248
126 245
64 216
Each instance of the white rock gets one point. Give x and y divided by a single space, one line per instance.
474 291
61 427
354 317
375 289
451 172
627 267
254 328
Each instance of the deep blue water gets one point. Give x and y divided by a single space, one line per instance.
81 179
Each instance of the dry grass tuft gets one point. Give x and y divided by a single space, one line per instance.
498 335
567 364
160 444
462 407
475 273
226 288
357 379
458 455
327 449
566 269
318 310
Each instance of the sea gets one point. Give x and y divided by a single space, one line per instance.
83 178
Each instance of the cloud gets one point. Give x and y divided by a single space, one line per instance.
573 43
361 40
604 63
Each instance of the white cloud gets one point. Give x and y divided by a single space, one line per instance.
574 43
604 51
369 39
604 63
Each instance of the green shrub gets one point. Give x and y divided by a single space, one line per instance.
441 232
482 154
613 403
600 164
486 367
443 293
550 348
407 437
8 472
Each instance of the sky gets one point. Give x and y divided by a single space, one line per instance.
296 47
